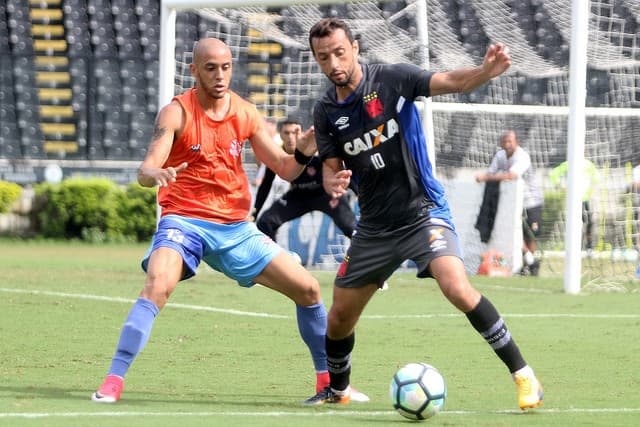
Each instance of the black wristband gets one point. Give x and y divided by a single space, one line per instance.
301 158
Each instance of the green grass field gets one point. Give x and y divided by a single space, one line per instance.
221 355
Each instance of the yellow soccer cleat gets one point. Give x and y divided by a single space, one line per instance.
529 391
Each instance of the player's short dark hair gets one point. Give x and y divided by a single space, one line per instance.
326 27
290 120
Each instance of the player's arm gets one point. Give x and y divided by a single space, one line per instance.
263 191
497 176
151 173
286 166
335 179
496 61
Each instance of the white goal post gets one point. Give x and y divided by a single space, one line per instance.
535 97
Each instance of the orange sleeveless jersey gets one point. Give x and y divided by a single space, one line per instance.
214 186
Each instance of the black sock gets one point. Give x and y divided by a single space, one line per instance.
339 361
486 320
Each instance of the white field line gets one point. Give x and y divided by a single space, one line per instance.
303 413
131 301
280 316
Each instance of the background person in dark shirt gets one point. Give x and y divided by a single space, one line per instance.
305 195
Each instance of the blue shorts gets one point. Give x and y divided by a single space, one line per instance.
238 250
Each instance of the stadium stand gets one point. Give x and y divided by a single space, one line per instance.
53 68
79 78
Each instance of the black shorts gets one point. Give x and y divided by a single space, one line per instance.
374 255
532 223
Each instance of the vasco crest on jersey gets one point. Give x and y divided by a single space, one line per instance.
373 105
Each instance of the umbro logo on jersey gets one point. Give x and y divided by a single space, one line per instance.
195 147
342 122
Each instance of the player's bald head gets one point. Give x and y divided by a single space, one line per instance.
206 48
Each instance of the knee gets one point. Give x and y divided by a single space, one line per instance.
309 293
336 318
340 322
157 289
460 293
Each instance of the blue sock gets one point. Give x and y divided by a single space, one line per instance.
312 324
134 335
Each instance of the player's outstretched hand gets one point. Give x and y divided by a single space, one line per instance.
307 142
336 185
164 177
497 60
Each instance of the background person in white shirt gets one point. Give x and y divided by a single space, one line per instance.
513 162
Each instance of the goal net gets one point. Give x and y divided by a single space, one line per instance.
274 68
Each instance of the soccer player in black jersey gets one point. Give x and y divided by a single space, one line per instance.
305 195
368 130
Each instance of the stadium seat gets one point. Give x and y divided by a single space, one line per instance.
132 71
102 33
149 31
127 33
27 116
105 66
9 135
99 5
96 125
107 77
70 5
23 71
115 118
108 97
7 111
123 10
116 134
117 153
390 7
95 151
531 91
19 27
26 98
150 50
76 23
598 89
9 142
147 5
186 32
4 30
139 138
81 132
78 68
30 139
134 101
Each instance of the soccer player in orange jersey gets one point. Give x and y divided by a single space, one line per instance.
195 158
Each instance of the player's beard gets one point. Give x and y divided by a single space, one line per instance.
345 82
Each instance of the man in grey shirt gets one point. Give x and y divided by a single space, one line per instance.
513 162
